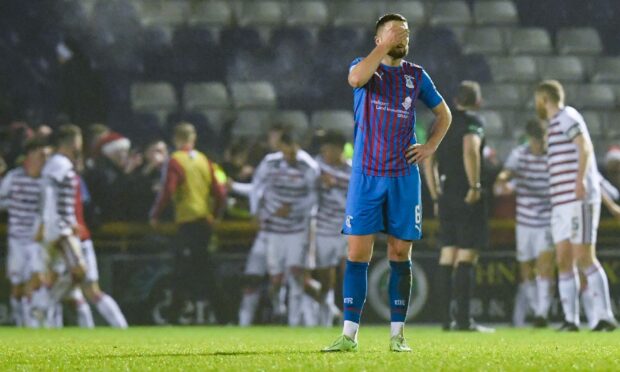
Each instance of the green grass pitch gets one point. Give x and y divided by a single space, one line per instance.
280 348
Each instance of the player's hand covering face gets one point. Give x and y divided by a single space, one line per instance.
395 34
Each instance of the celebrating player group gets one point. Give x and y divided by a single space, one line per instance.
51 257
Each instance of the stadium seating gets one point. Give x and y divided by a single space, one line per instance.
495 13
253 95
412 10
450 13
150 97
251 123
202 96
260 13
168 13
607 71
210 13
595 124
595 96
296 120
485 40
579 41
519 69
338 120
562 68
493 124
355 14
501 96
529 41
214 51
308 13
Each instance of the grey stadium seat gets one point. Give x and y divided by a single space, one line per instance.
501 96
483 40
308 13
607 70
450 13
579 41
563 68
412 10
251 123
594 123
211 13
259 94
616 89
296 120
529 41
168 13
594 96
201 96
150 97
493 124
495 13
338 120
513 69
613 126
355 14
260 13
503 147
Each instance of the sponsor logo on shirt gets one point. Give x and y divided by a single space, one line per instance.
407 103
409 81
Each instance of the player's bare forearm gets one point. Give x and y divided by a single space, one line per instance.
610 204
471 158
430 175
443 119
363 71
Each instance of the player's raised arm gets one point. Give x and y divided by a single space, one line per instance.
388 38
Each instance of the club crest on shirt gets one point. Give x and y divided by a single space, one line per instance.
407 103
409 81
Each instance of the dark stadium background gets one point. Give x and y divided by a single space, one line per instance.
233 67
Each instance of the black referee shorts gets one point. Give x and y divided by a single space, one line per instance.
462 225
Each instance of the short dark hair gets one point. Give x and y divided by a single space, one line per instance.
468 93
388 17
535 128
34 144
287 137
552 89
332 137
66 133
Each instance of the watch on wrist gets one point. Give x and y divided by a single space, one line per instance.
476 186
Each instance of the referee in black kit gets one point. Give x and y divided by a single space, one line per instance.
454 180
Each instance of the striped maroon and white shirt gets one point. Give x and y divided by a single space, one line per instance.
276 183
21 195
564 127
531 177
332 198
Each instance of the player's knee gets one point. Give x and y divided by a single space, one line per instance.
399 255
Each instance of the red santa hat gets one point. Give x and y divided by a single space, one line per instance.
613 154
112 142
